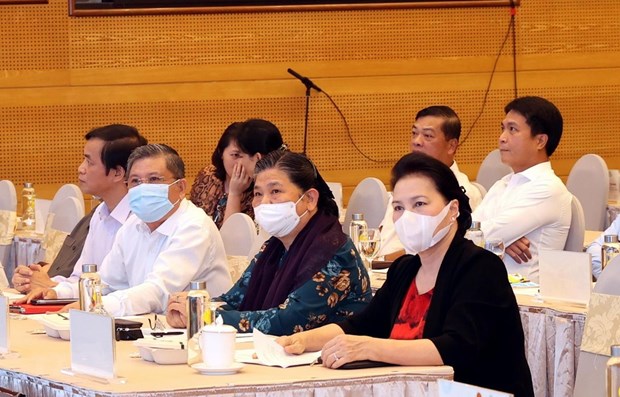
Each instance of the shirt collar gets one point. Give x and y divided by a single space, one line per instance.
170 224
536 170
120 213
454 168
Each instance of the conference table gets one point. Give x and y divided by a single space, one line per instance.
37 372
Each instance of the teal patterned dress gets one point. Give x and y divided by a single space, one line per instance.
340 289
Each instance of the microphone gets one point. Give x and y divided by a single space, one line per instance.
306 81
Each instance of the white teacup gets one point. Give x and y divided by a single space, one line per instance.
217 343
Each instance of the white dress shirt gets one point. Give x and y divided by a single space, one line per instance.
534 204
389 240
595 247
101 233
143 268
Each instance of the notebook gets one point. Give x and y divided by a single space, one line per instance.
565 276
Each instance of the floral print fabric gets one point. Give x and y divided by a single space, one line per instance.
340 289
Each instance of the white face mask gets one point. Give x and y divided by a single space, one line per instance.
415 231
278 219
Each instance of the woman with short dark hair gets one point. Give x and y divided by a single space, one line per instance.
225 187
448 302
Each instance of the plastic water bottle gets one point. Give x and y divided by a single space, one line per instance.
613 372
609 249
28 210
89 289
475 234
197 304
357 227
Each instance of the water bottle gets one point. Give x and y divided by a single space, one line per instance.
89 288
197 305
28 211
613 372
475 234
609 249
357 227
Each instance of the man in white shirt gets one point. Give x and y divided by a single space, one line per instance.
163 246
436 132
102 173
529 209
594 249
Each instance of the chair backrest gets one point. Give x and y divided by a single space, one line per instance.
369 198
8 196
483 190
238 234
336 188
492 169
588 180
70 190
577 229
590 379
66 214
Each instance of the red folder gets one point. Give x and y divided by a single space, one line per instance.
26 308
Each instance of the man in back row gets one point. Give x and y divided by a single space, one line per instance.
102 173
529 209
436 132
163 246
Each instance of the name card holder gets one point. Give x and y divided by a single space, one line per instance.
93 348
5 341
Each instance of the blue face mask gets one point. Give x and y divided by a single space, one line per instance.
149 201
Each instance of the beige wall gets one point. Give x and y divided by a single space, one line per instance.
181 79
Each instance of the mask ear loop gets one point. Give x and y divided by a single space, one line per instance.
179 200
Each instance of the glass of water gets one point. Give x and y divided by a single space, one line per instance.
368 246
496 246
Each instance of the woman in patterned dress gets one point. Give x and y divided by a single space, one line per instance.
308 274
225 187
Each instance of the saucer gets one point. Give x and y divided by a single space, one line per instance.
203 369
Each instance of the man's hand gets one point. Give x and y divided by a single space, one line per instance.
176 313
38 293
27 278
520 250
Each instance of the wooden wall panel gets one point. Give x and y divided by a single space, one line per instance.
182 79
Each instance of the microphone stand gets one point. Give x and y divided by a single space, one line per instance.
309 85
308 88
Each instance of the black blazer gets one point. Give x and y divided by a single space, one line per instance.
473 318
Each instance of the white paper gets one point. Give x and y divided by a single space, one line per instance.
92 344
270 353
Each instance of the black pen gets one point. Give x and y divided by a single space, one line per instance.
160 334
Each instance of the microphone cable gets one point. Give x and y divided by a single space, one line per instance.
511 27
346 126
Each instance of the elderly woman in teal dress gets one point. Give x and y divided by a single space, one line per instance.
309 273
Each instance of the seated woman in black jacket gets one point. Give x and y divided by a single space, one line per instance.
448 302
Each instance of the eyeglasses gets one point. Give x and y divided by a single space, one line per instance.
135 181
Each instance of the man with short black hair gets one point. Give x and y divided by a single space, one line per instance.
167 242
436 132
101 174
529 209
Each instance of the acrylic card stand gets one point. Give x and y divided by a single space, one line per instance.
93 347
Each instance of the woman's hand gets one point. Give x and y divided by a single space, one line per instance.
176 311
346 348
293 344
240 181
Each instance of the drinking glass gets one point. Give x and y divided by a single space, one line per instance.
496 246
368 246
